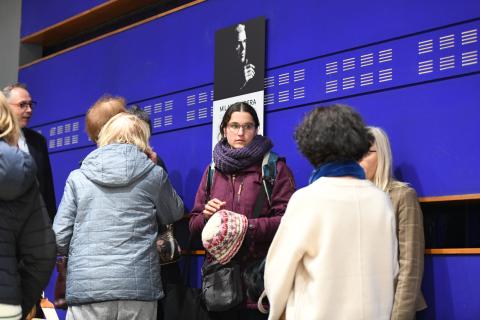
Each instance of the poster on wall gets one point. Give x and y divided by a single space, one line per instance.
239 69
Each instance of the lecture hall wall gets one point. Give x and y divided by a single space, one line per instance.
408 66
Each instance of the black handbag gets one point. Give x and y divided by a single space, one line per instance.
221 286
253 279
184 303
167 246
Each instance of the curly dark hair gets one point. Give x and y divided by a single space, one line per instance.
332 133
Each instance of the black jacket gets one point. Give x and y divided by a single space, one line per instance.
37 146
27 242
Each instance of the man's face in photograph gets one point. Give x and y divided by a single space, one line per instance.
241 43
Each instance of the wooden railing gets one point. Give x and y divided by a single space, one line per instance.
89 19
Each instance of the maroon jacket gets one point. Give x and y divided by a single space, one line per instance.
240 192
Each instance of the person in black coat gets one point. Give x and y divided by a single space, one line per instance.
32 142
27 242
37 146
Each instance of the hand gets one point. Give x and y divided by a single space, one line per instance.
248 72
152 155
212 206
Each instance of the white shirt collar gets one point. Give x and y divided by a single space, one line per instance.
22 143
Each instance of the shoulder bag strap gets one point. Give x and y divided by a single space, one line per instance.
269 173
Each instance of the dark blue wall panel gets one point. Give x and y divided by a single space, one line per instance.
38 15
443 60
176 52
451 285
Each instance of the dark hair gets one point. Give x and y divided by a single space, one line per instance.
332 133
136 111
238 107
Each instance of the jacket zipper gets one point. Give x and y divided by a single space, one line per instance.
233 193
240 188
236 204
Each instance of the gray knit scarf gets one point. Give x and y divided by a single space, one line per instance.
230 160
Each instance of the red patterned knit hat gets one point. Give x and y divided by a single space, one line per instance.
223 235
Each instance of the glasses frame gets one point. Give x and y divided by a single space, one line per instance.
23 104
247 127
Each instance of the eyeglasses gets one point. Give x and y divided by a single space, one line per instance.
24 104
235 127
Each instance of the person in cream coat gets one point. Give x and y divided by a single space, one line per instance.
334 255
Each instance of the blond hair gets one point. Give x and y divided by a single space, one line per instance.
9 128
384 178
125 128
102 110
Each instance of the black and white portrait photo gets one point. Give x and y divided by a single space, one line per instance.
240 59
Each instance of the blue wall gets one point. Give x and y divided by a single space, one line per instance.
415 73
450 285
38 15
169 60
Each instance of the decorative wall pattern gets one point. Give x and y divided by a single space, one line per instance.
429 56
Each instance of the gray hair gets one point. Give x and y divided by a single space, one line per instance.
8 89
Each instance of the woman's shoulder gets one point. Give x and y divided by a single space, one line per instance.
402 192
311 191
11 158
401 188
77 179
156 175
281 161
17 171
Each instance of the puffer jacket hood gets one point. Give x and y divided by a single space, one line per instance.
107 224
17 172
116 165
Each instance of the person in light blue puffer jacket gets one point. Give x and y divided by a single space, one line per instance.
107 224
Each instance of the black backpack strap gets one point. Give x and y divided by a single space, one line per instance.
259 203
208 187
269 173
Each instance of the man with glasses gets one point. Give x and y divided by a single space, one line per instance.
32 142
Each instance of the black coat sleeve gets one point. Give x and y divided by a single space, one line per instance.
36 249
38 149
49 194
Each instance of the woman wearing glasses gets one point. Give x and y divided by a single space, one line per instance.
411 245
235 185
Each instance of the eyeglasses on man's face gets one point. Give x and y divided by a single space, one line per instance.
235 127
25 104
